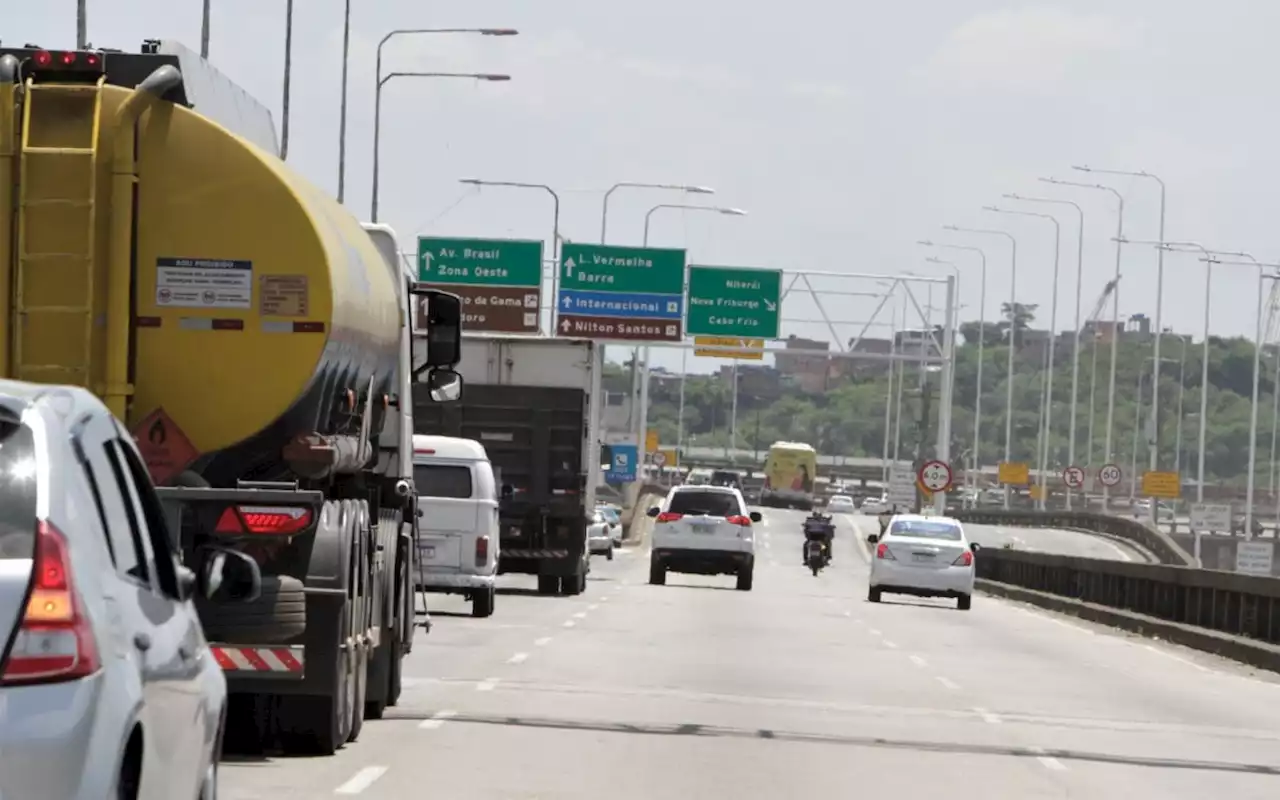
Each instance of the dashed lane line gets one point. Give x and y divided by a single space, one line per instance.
486 685
361 780
518 658
543 642
437 719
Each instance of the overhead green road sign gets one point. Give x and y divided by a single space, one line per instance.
734 301
480 262
606 268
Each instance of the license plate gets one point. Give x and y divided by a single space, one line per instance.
428 552
922 556
704 528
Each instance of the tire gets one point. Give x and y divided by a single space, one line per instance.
746 577
321 724
964 602
548 584
379 669
815 569
361 693
575 584
610 556
873 595
657 573
482 603
277 615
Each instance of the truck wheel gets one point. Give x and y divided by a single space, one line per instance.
745 576
548 584
361 679
482 602
321 724
278 615
610 556
657 573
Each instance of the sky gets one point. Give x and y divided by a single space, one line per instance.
848 132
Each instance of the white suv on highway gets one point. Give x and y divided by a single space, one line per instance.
703 530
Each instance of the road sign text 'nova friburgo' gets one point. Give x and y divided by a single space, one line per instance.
734 301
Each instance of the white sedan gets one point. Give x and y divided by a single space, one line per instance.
875 506
600 535
925 557
840 504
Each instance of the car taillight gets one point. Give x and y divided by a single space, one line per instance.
668 516
882 551
965 560
279 520
54 641
482 550
740 520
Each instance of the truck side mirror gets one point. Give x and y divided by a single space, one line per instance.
606 456
755 516
437 319
444 385
653 512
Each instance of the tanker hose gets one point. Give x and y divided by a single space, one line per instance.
120 268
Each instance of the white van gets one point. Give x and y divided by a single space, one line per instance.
458 527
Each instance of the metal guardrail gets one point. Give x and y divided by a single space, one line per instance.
1227 603
1157 543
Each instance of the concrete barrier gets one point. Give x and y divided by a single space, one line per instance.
1158 543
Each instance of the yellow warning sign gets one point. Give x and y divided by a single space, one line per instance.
1038 493
729 347
1166 485
1014 473
651 441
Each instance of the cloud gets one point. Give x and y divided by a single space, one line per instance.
1031 50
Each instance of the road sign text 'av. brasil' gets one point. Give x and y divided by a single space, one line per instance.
733 301
608 292
480 262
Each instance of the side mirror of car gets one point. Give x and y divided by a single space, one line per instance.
229 576
755 516
653 511
974 546
872 538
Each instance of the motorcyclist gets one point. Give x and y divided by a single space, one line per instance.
817 526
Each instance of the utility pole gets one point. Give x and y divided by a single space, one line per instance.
82 24
922 440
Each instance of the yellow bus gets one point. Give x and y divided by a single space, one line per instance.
790 470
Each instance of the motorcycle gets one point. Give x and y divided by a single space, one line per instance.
815 555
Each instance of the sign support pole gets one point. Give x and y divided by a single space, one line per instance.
943 449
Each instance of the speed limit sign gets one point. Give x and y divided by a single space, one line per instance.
1110 474
659 458
1073 477
935 476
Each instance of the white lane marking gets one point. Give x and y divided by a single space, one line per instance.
947 682
437 719
917 660
593 606
850 614
890 645
987 716
518 658
543 642
486 685
568 623
580 615
1049 762
361 780
874 632
1178 658
604 599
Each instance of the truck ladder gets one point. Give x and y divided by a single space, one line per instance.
54 291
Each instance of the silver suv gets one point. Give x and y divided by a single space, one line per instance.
107 687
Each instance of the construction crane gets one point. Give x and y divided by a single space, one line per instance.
1091 325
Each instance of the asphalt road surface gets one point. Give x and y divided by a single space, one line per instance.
798 689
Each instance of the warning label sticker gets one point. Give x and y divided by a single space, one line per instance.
165 449
282 295
204 283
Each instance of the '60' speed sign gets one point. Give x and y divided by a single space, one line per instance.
935 476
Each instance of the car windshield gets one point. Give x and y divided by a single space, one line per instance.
710 503
926 529
841 499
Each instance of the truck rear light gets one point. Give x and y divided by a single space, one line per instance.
270 520
669 516
740 520
55 641
482 550
67 61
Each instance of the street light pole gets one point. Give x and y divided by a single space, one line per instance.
1075 348
1013 307
679 187
976 459
379 81
1046 402
1115 322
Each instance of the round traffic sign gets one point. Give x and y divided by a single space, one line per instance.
1110 474
659 458
935 476
1073 477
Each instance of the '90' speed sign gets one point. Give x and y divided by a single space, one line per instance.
935 476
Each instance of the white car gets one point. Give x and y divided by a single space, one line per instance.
703 530
875 506
925 557
600 535
840 504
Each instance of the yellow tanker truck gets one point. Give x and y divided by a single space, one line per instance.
254 337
